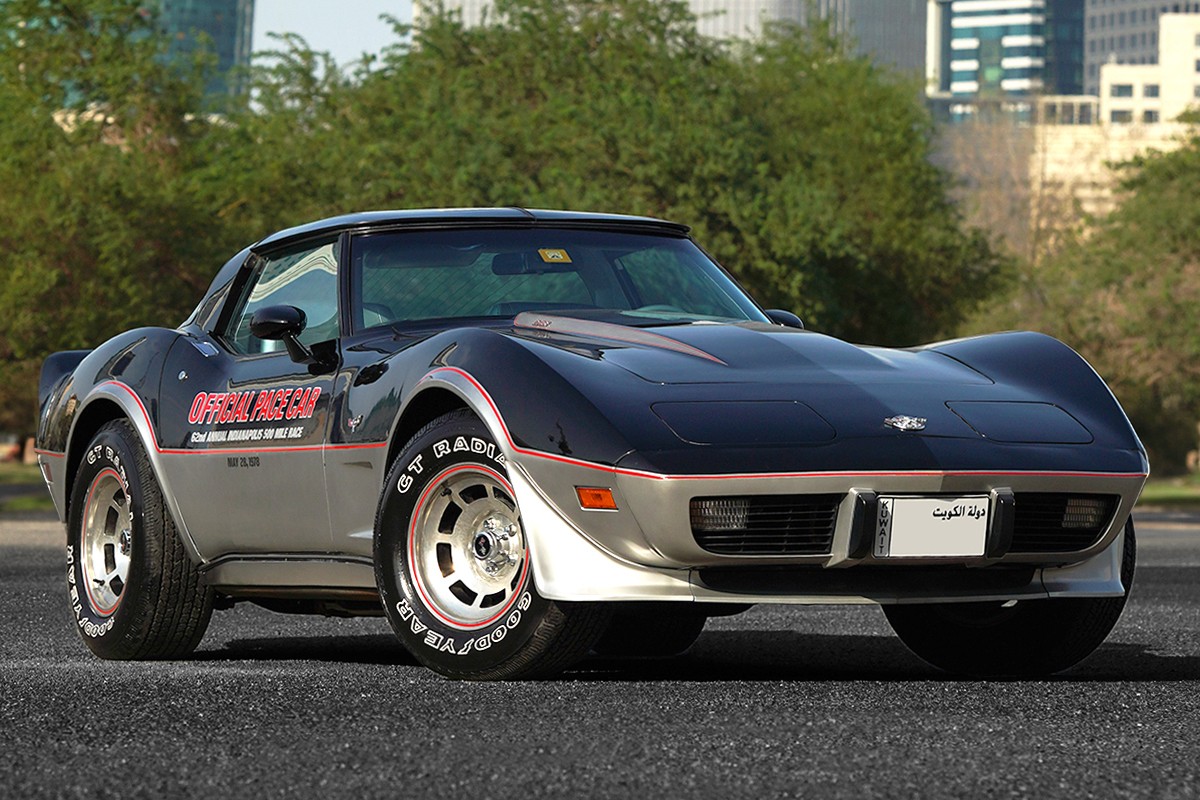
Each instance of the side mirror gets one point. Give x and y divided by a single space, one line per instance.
284 323
784 318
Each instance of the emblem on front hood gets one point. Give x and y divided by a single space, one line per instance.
902 422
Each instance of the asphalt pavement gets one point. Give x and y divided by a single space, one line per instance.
776 702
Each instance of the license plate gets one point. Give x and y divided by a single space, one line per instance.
923 527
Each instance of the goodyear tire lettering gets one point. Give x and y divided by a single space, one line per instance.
450 644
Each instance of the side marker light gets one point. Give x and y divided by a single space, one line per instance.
594 498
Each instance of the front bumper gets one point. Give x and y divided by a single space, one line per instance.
646 550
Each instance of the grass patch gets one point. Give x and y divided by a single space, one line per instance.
33 502
1184 491
12 472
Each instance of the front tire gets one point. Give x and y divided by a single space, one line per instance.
134 592
454 567
1030 638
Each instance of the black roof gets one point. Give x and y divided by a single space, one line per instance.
468 216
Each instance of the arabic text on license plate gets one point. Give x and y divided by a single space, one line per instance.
915 527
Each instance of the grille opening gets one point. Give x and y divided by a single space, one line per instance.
1059 522
791 525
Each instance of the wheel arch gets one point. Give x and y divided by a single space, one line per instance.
92 418
424 407
115 401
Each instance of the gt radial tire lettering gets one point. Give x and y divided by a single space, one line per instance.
420 509
113 458
476 446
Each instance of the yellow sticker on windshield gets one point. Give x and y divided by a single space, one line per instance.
555 256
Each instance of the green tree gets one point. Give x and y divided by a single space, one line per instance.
100 234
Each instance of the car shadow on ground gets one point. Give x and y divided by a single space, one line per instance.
764 655
785 655
369 649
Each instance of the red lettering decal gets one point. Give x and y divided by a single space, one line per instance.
213 406
312 402
260 405
242 414
227 407
197 412
281 402
296 407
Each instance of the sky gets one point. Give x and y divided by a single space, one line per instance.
346 28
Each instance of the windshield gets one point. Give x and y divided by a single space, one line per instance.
639 278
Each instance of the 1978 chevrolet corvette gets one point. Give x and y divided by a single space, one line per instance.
524 436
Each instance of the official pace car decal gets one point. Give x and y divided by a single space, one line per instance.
266 405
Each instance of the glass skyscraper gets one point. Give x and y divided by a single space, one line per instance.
891 32
229 23
1004 53
998 47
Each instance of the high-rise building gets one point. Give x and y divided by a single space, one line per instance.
745 19
890 31
1003 52
1124 32
1157 92
228 23
1064 47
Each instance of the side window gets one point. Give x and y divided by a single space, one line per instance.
306 278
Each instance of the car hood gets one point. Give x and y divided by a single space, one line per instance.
747 352
761 384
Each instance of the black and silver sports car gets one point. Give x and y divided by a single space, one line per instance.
527 435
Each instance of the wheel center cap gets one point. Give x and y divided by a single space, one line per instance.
483 545
495 546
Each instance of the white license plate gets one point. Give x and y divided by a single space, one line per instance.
923 527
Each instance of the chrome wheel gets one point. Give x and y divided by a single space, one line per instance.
107 541
467 548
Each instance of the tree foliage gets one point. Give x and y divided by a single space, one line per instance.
98 230
804 170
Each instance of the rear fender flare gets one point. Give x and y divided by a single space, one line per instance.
134 410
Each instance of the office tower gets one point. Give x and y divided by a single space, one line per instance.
228 23
1124 32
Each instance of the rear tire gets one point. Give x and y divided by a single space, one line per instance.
454 567
134 592
1029 639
